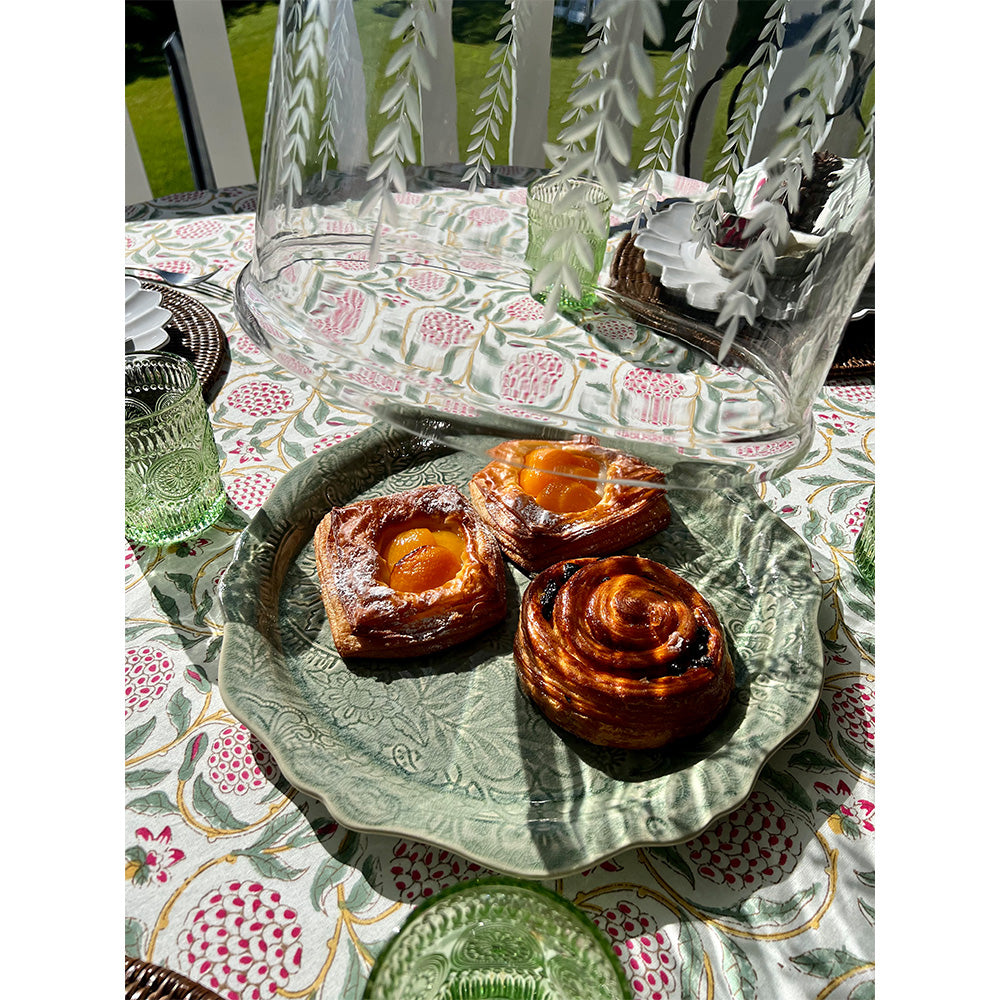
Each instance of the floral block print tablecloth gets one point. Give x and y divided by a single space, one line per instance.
250 888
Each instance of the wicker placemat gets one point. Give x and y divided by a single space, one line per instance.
646 300
145 981
195 334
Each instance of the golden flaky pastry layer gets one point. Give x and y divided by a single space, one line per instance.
622 652
370 618
534 537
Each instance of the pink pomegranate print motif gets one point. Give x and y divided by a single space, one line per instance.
406 197
419 871
259 398
149 859
197 230
643 951
242 942
860 395
148 671
238 763
616 331
754 845
458 408
653 390
854 710
487 215
250 491
379 381
246 346
356 260
182 198
342 226
477 262
342 317
445 329
295 365
531 378
331 439
133 553
856 519
838 422
525 309
426 281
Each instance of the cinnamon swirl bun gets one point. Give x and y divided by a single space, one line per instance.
622 652
408 574
548 501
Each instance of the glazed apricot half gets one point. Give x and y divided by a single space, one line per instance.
419 559
561 481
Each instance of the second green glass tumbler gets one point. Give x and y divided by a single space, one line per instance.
173 488
568 222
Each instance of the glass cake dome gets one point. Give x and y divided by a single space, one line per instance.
389 263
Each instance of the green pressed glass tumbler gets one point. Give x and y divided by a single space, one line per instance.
173 488
568 222
864 547
497 939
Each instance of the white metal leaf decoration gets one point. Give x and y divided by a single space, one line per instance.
299 71
591 140
395 144
494 100
806 123
344 133
673 97
743 123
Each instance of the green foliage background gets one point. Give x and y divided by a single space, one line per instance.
251 26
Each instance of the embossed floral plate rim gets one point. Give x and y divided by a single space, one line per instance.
601 802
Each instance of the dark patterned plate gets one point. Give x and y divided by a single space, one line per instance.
195 334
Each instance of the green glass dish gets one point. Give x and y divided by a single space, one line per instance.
497 939
173 489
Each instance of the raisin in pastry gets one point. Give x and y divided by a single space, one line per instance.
622 652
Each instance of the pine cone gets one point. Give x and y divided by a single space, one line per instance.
815 190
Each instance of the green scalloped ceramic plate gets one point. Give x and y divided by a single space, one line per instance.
445 749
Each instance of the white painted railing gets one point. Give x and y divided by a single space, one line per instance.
215 94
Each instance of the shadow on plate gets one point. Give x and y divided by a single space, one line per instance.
307 633
646 765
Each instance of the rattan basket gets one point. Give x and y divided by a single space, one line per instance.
145 981
647 301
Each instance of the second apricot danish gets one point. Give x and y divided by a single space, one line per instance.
552 500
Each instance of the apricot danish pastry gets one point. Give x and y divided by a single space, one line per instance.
408 574
548 501
622 652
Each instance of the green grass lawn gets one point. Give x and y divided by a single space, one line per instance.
150 101
151 105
